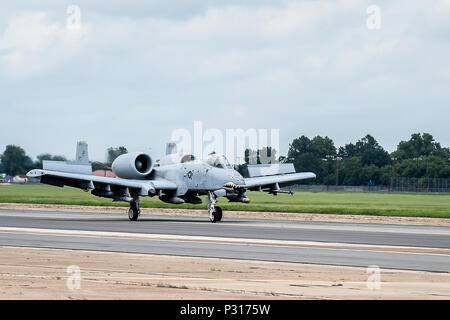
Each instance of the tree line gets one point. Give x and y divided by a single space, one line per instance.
14 160
363 161
352 164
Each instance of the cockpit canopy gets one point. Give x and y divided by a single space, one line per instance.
218 161
187 158
214 160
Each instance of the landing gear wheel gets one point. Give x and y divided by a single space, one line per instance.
216 215
219 213
133 214
134 211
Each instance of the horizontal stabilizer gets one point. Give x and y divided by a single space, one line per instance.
67 166
261 170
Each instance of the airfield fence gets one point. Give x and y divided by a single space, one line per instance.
398 184
403 184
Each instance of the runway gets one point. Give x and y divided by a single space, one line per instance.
387 246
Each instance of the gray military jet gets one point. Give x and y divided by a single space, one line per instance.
176 178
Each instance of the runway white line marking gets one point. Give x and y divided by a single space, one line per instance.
169 237
383 229
410 229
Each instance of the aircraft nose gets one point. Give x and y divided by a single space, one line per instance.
237 178
231 186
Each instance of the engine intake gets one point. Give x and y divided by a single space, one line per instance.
133 165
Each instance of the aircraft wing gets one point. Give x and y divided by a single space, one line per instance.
102 186
274 182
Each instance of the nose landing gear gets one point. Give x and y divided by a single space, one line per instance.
215 212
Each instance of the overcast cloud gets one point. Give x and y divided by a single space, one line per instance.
134 73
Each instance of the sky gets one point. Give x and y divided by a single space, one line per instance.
132 73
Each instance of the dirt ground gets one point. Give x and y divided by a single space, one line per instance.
239 214
28 273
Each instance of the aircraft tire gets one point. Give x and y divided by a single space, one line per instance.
217 215
133 214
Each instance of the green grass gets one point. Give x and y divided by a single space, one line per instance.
416 205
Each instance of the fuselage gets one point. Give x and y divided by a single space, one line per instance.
198 176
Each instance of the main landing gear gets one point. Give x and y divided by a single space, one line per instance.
134 210
215 212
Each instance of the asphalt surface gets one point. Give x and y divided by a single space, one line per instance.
392 236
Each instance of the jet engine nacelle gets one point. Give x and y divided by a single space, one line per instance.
132 165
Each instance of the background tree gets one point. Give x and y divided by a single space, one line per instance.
369 151
96 165
266 155
421 156
313 155
15 161
364 161
242 169
350 172
113 153
47 156
420 145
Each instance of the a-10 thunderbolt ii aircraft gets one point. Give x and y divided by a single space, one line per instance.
176 178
